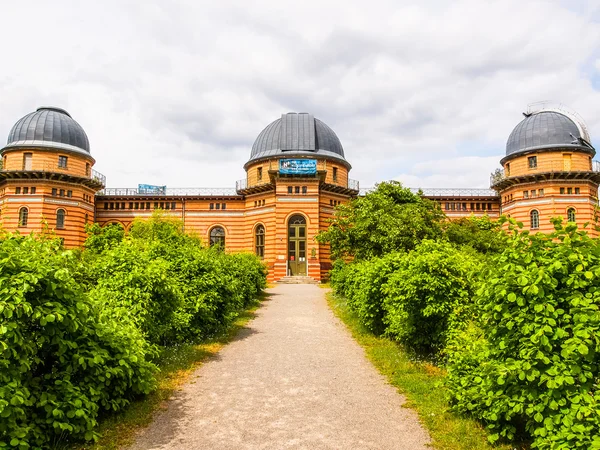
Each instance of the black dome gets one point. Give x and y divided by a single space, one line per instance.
545 130
49 127
297 134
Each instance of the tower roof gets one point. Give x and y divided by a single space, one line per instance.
49 127
297 134
546 130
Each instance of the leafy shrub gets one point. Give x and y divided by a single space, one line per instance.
62 361
480 233
429 294
530 364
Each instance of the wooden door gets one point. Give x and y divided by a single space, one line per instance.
297 246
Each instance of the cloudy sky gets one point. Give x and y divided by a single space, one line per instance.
175 92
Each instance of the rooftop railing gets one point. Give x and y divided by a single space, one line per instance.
445 192
56 169
198 192
541 168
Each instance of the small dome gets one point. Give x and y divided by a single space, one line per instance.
297 134
545 130
49 127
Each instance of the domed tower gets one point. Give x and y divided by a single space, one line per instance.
548 171
47 178
296 175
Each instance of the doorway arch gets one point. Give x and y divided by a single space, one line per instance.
296 259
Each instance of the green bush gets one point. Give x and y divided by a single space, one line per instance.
62 361
429 294
361 283
530 364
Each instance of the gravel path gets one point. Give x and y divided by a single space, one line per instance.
294 378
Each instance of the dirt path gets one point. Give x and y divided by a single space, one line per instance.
294 378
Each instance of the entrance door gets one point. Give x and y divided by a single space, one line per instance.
297 246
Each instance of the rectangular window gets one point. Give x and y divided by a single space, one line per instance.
335 174
533 193
61 192
464 206
162 205
155 205
105 205
112 205
577 191
147 205
259 174
508 169
33 189
69 193
532 162
212 206
453 206
569 190
168 206
525 194
478 206
87 169
541 192
18 190
290 190
297 189
25 190
136 205
223 205
173 205
447 205
27 158
117 205
130 205
304 189
489 206
218 206
472 206
562 190
483 206
62 162
122 205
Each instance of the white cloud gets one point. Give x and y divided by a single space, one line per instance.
175 93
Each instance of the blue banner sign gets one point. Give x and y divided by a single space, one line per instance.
298 166
149 189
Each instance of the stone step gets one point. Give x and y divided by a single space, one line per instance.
297 280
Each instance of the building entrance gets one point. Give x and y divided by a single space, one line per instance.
297 246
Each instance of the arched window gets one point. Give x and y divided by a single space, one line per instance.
571 215
217 237
60 219
535 219
23 215
297 219
259 241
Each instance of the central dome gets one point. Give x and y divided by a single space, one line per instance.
49 127
297 134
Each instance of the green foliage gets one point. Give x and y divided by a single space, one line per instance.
429 294
361 283
102 238
530 362
481 233
79 330
390 218
62 361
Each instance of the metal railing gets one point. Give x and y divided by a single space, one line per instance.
200 192
353 184
444 192
55 168
544 167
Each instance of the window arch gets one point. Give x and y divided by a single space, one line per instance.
259 241
535 219
217 237
23 216
297 219
60 219
571 215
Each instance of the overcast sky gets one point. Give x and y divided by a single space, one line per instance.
175 92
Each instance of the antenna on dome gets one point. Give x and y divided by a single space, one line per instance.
547 105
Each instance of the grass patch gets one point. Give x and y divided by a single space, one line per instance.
176 365
420 383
